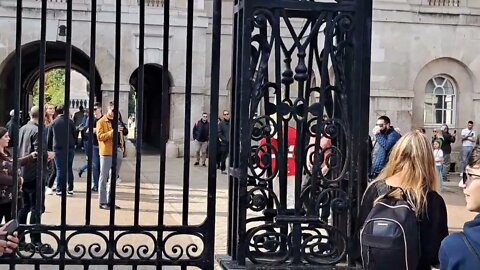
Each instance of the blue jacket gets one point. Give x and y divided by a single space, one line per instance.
454 253
384 143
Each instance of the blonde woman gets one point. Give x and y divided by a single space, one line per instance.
411 166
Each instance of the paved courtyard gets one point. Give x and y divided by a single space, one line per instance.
149 202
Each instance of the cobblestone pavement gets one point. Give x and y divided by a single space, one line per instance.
149 202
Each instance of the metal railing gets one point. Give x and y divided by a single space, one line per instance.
444 3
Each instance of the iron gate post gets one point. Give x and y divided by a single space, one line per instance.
308 64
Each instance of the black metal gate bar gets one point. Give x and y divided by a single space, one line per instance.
188 113
139 112
116 115
209 223
41 96
163 137
91 114
16 105
62 245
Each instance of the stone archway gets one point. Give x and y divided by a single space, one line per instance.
152 109
55 58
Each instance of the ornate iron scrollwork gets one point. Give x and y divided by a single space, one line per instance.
300 73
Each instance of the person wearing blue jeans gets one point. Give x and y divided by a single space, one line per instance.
61 132
469 138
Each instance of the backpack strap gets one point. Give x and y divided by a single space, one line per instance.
470 246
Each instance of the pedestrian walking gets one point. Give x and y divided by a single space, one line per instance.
61 131
224 138
469 139
408 176
97 113
78 120
201 131
105 135
385 137
448 139
29 142
48 118
461 251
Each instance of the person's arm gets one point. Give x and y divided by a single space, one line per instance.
221 136
50 138
473 138
26 159
125 129
195 131
434 228
102 133
465 134
387 142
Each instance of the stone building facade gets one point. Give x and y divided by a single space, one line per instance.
424 58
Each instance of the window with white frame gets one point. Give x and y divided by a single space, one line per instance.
439 101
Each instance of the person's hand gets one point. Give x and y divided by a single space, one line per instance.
34 155
376 130
51 155
10 243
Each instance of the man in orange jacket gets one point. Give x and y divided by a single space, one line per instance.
105 135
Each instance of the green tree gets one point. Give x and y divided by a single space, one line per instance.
54 87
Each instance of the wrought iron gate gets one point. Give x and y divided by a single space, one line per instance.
157 251
300 66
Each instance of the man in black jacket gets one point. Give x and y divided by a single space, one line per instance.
200 136
61 129
224 137
29 142
448 139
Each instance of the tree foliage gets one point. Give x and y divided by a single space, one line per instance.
54 87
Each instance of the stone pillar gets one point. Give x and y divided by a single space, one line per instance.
108 94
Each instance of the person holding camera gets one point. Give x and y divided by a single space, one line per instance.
469 138
105 136
448 139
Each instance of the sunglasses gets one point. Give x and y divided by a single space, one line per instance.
225 114
466 176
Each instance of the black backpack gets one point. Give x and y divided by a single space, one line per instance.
389 238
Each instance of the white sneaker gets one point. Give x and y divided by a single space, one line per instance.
49 191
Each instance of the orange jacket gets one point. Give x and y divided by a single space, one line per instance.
105 136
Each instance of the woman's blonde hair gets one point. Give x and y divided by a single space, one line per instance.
413 155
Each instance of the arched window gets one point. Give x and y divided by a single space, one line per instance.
439 101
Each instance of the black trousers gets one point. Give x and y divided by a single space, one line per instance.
223 156
5 212
29 205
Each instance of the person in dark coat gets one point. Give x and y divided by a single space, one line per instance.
448 139
201 131
385 137
461 251
29 142
411 167
224 138
61 129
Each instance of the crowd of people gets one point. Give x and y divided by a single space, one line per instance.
413 168
59 142
409 168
